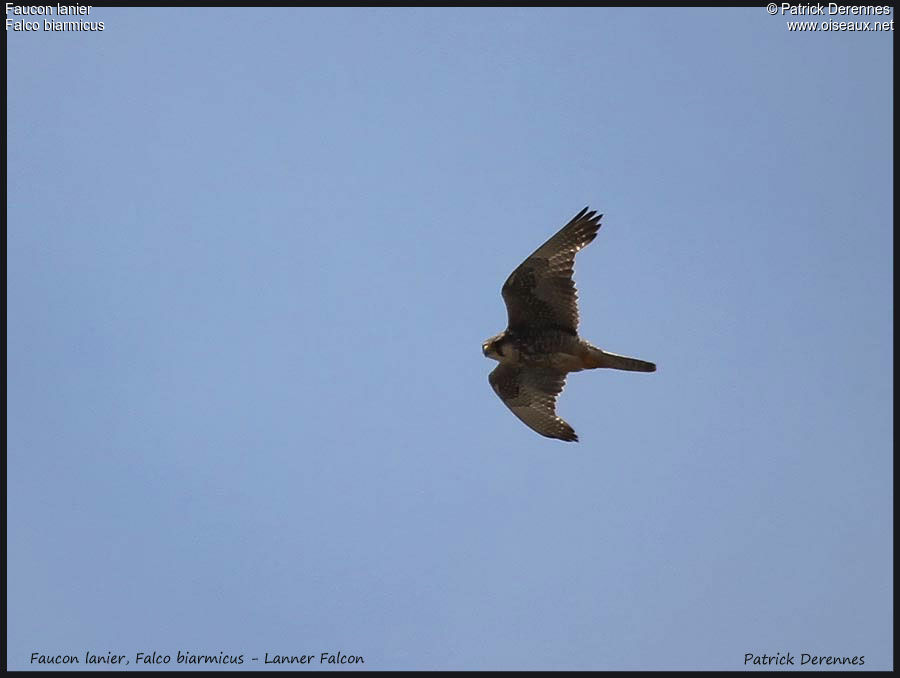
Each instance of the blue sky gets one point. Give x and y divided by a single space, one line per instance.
252 256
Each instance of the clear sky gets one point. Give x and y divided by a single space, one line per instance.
252 257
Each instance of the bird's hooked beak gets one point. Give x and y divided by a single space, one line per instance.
491 348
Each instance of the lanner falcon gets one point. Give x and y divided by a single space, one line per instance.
540 345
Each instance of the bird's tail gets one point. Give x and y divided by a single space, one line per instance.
595 357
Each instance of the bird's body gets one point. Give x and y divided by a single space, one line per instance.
559 350
541 345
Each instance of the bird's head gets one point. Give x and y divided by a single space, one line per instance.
494 347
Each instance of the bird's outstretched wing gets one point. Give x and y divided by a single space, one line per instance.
540 293
530 392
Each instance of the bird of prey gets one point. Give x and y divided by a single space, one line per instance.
540 345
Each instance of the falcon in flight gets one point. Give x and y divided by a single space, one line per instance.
540 345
